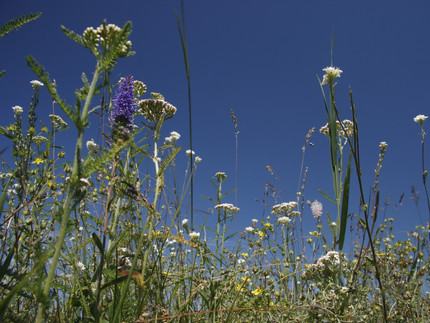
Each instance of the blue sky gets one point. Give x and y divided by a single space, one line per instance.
259 58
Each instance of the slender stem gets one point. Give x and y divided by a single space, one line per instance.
74 181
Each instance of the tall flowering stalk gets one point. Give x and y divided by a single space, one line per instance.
420 120
122 114
107 43
338 133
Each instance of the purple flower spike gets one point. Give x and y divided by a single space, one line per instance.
122 114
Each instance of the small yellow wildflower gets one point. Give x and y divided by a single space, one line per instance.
245 279
315 233
240 288
11 127
271 304
261 234
244 254
257 291
31 130
44 129
37 161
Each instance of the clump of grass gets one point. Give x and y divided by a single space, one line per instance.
104 236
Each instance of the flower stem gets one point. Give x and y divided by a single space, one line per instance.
74 181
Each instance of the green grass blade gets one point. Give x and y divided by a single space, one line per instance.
345 202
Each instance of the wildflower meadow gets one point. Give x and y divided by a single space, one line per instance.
105 231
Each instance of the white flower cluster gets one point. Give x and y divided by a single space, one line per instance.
331 258
420 119
285 208
227 207
383 145
106 35
17 109
184 223
194 235
91 144
316 208
36 84
190 153
172 138
331 73
284 219
220 176
154 109
347 124
249 229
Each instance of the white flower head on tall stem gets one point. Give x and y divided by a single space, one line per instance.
36 84
316 208
190 153
17 109
420 119
331 73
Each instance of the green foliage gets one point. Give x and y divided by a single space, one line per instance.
104 237
16 23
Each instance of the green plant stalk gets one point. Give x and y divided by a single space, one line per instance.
118 203
425 174
68 203
150 229
356 155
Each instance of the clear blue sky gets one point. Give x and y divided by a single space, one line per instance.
261 59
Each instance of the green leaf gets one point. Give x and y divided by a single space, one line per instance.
16 23
345 202
44 77
72 35
326 196
2 73
4 267
3 196
92 165
97 241
168 160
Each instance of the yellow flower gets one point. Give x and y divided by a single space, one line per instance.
37 161
315 233
11 127
244 254
261 234
271 304
31 130
245 279
257 291
44 129
241 288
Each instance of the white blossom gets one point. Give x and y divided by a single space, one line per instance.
331 73
80 266
316 208
420 119
194 235
284 219
17 109
227 207
36 84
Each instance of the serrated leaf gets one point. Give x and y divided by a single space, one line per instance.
166 162
44 77
74 36
16 23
